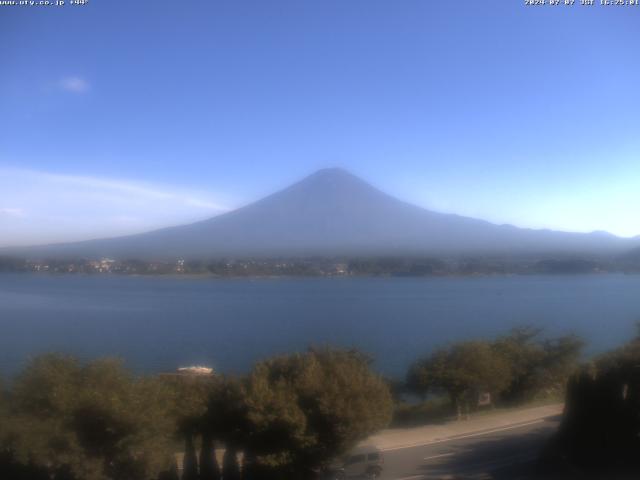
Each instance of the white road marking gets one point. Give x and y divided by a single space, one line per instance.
471 435
439 456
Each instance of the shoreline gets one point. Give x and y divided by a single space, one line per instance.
207 276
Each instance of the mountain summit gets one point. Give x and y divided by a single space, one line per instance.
333 212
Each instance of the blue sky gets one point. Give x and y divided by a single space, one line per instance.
121 116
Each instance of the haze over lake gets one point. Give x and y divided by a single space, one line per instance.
161 323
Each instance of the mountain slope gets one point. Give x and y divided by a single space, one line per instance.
333 212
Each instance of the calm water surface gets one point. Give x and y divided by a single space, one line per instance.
158 323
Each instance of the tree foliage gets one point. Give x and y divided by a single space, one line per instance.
600 429
514 368
187 399
92 421
69 420
303 410
537 367
462 371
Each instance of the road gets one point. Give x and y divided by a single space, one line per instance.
504 453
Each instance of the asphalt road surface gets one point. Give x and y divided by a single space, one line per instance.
507 453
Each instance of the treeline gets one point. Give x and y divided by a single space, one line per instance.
289 418
513 369
61 419
12 264
396 266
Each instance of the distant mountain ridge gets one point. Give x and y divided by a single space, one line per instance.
333 212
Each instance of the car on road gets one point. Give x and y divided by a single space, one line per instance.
364 462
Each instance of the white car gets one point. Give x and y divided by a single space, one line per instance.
363 462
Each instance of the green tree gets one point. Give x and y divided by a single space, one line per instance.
189 397
538 367
226 416
89 422
462 371
525 357
303 410
516 367
561 359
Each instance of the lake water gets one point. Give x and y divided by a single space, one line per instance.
160 323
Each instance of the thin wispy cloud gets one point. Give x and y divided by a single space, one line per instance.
122 187
11 212
74 84
42 207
